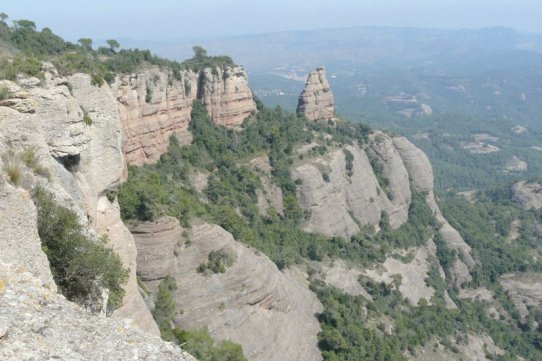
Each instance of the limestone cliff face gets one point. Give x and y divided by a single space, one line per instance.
342 203
339 203
226 95
268 312
316 101
56 131
421 173
154 104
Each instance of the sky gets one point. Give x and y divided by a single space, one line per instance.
166 20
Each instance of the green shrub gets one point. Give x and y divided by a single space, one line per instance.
87 119
218 261
4 93
80 266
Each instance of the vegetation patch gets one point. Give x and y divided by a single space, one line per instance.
81 267
218 261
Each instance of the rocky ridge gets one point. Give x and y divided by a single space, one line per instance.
270 313
339 203
79 162
316 101
154 104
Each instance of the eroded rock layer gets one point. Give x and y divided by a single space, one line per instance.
268 312
316 101
154 104
340 201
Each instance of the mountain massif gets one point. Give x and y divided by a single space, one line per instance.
238 231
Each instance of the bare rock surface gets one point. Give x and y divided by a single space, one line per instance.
153 106
525 290
36 323
476 348
421 174
19 240
343 203
413 274
270 313
84 162
316 101
156 242
528 194
226 95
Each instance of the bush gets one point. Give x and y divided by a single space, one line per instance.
4 93
81 267
218 261
87 119
13 167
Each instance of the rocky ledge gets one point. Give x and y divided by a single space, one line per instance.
36 323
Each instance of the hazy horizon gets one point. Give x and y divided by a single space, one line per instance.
168 20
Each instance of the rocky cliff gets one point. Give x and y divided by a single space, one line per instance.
339 202
316 101
270 313
154 104
74 132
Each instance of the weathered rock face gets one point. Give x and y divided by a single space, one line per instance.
58 135
226 95
156 242
341 204
421 174
270 313
528 194
316 101
154 105
525 290
36 323
338 202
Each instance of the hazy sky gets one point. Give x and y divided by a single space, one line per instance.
169 19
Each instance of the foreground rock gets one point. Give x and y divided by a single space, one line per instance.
268 312
316 101
36 323
78 161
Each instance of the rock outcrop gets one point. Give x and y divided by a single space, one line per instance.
268 312
36 323
339 203
421 174
83 161
528 194
226 95
525 291
154 104
156 242
316 101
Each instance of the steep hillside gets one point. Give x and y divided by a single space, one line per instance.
283 236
